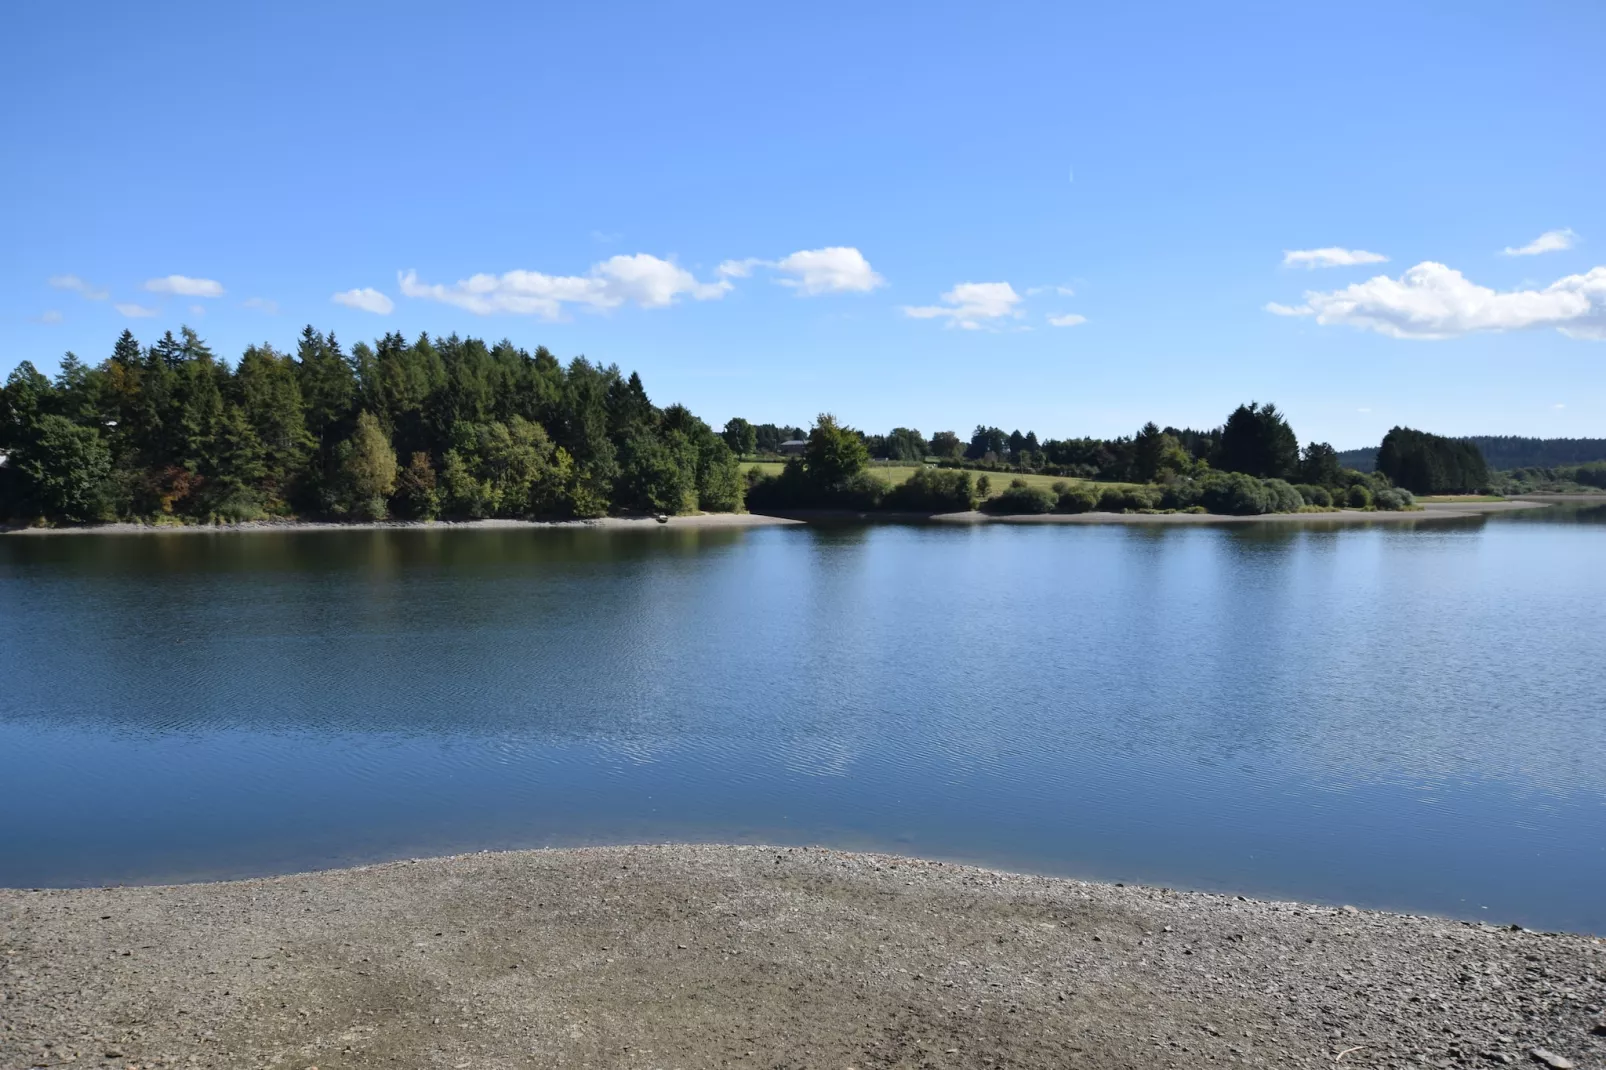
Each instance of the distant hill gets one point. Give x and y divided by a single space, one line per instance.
1362 460
1509 451
1506 452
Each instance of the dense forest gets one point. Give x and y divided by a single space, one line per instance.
1431 464
1507 452
454 427
421 429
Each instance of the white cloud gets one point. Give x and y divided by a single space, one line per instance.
50 316
78 286
197 310
1289 310
1063 291
367 299
1332 256
970 304
184 286
1434 301
262 304
135 311
1559 405
1551 241
1072 320
642 280
835 269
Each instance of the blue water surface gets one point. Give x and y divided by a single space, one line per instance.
1410 717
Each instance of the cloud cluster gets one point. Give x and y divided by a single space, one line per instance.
642 280
834 269
1551 241
135 311
184 286
1331 256
367 299
1432 301
972 305
1070 320
78 286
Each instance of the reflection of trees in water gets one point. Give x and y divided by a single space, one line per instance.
379 549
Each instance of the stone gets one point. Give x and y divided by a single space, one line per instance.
1551 1059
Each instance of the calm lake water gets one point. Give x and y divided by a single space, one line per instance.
1411 717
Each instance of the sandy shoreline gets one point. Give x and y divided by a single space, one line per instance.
608 523
681 956
1431 511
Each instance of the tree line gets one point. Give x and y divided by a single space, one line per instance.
1256 440
455 427
1505 453
1245 467
1432 464
433 427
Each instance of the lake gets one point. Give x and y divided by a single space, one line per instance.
1404 716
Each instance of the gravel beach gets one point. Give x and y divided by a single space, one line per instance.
660 957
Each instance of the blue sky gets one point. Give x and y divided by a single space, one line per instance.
878 210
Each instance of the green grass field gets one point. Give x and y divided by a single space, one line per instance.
894 473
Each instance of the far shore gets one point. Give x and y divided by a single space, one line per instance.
607 523
766 957
1428 511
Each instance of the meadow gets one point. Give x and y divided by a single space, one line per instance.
897 473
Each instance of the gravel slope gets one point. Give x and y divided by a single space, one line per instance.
659 957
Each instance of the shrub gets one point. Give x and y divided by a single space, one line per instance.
1077 500
1394 499
1059 487
1359 497
1592 474
1019 498
788 490
1235 494
861 491
1181 495
933 490
238 507
1317 496
793 489
1282 497
984 486
1128 499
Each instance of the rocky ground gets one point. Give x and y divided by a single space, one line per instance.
661 957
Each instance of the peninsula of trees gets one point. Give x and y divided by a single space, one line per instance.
457 428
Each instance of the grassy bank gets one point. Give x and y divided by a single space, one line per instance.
898 473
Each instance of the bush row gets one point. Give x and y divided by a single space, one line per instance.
1226 493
